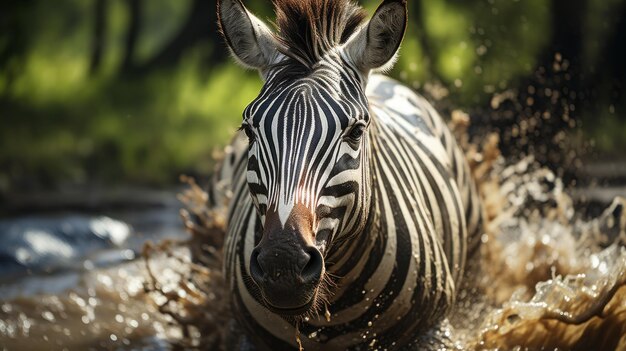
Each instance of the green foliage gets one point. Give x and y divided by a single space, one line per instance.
147 130
60 123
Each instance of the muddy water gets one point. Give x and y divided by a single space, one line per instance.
100 310
547 279
550 279
77 281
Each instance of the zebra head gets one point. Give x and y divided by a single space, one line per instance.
308 130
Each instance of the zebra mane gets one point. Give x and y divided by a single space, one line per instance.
308 29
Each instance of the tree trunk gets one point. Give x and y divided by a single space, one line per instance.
430 54
609 75
132 34
99 33
200 26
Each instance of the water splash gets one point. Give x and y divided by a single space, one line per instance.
551 279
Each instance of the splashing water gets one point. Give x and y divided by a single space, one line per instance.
550 279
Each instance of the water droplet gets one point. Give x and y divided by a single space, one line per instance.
88 265
47 315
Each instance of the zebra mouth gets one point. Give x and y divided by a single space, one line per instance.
291 311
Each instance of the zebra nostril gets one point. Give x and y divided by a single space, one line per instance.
255 267
312 271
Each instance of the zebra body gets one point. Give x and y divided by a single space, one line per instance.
390 209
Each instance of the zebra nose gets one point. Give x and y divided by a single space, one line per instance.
288 276
304 267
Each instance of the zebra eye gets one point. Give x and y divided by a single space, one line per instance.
249 133
357 132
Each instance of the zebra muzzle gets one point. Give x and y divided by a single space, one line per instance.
287 274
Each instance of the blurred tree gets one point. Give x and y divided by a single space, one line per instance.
199 27
418 20
132 35
99 32
605 105
15 40
607 71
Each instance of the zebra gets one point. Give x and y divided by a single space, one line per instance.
352 210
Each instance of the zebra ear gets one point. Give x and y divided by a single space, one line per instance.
375 45
250 41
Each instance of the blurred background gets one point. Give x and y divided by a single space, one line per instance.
138 92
